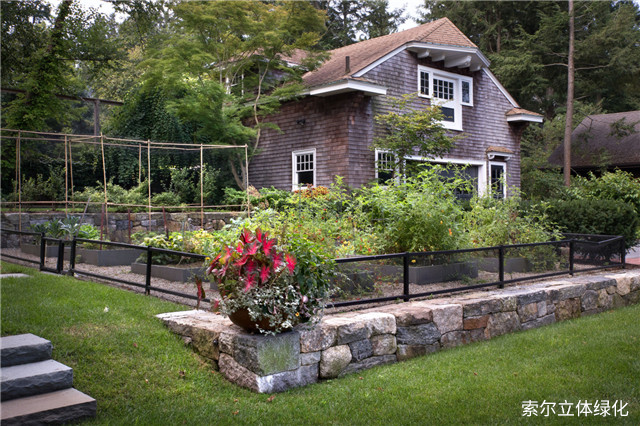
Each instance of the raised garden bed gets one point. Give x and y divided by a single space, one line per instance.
183 273
429 274
354 281
107 257
511 264
50 251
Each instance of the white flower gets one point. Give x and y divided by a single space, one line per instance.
106 309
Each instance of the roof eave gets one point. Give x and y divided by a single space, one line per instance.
348 85
520 118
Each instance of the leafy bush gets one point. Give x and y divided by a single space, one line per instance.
41 189
263 199
491 222
67 228
166 198
604 217
420 214
616 185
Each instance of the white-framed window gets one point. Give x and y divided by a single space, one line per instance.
473 170
498 177
386 166
448 90
466 90
303 168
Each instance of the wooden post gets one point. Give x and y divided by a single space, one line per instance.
66 177
201 189
71 168
19 179
96 117
246 167
104 178
149 177
139 164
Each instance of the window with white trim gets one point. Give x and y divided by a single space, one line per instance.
498 176
386 166
304 168
448 90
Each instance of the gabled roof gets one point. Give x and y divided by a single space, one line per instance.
439 36
604 140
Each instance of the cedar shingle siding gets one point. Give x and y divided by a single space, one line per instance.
341 127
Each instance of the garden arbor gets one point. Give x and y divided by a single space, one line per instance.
19 139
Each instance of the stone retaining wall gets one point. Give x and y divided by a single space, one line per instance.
349 342
118 223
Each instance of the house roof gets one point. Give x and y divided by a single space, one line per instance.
438 34
602 140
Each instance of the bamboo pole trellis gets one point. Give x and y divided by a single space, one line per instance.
68 140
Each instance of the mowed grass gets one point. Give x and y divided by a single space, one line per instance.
141 373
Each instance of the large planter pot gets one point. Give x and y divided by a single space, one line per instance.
108 257
511 264
242 319
50 251
432 273
170 273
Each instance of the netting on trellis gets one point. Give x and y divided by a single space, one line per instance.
83 172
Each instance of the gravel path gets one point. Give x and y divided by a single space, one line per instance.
383 288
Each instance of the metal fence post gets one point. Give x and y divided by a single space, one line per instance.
43 249
571 255
405 277
501 265
147 285
623 254
60 264
72 256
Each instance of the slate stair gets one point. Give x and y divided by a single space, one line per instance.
35 389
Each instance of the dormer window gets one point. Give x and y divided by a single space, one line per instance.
448 90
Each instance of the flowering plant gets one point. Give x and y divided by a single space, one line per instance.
260 277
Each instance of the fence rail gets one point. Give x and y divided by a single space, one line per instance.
605 251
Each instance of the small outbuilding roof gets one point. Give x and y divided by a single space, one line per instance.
603 140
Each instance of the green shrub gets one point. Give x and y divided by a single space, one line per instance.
602 217
167 198
491 222
616 185
420 214
41 189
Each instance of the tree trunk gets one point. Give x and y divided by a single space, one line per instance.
568 127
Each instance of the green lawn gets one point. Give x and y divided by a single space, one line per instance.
139 372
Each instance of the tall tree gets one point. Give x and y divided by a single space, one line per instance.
568 127
217 44
527 43
76 36
349 21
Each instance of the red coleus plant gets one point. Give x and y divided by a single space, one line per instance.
254 262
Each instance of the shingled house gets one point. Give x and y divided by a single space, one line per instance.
604 142
328 132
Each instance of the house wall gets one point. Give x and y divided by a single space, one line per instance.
341 128
484 124
326 128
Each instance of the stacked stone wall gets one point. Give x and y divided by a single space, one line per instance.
349 342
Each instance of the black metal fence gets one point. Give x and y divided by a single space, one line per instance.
69 248
406 276
389 277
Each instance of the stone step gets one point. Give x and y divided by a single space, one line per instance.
35 378
55 407
24 349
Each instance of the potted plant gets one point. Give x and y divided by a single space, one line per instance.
264 287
